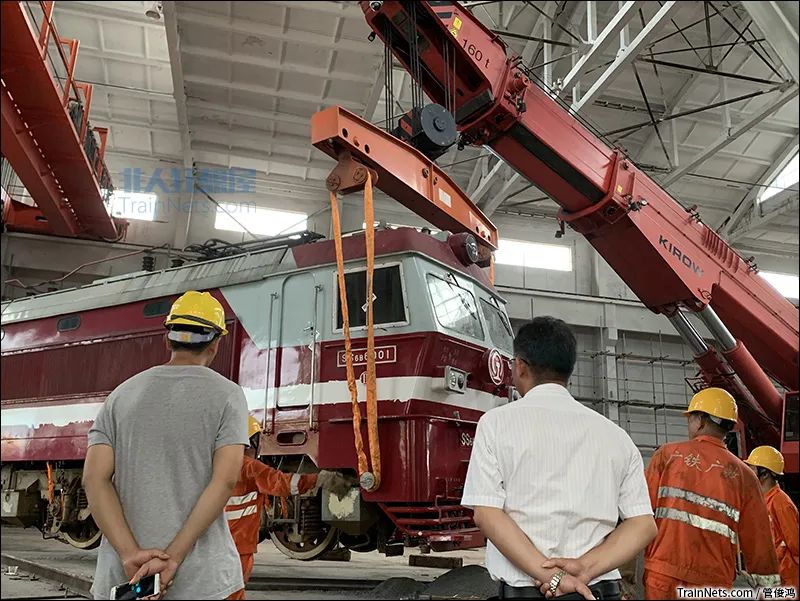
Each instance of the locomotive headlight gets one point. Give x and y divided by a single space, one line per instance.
471 247
465 247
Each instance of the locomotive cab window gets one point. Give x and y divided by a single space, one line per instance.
499 327
389 305
455 307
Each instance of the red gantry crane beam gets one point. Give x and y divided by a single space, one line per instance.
39 139
662 251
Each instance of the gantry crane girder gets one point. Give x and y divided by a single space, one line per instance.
40 140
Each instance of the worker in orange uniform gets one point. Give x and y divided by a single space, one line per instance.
258 482
707 504
767 462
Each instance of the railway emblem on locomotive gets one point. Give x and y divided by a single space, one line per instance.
497 367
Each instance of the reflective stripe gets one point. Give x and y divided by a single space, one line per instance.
251 496
695 520
768 580
295 483
240 513
710 503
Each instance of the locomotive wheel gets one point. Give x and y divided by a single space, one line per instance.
83 535
308 548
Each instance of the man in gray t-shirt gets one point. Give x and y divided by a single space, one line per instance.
164 455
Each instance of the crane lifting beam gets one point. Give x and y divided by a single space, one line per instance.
43 145
402 172
663 252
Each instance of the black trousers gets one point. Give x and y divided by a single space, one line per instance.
606 589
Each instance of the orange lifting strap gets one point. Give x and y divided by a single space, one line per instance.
51 484
372 400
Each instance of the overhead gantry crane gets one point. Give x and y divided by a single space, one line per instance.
46 135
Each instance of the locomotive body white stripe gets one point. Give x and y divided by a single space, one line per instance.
397 388
54 415
400 388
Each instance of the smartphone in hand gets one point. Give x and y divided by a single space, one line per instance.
146 587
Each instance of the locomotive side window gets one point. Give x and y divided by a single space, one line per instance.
455 307
157 308
65 324
499 328
389 306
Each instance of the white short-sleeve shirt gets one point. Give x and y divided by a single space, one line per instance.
562 471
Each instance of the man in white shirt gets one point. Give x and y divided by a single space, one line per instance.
550 478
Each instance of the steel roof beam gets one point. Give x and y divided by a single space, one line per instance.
271 63
784 156
226 111
728 137
778 22
685 91
265 90
491 204
375 93
764 213
486 182
627 55
265 30
609 35
179 92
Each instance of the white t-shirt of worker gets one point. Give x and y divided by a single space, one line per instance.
563 472
164 425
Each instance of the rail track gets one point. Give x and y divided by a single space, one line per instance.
77 586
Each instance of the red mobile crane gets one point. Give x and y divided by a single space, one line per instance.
672 261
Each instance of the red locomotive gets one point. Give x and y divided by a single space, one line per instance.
441 347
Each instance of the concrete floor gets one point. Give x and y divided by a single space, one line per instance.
29 545
21 586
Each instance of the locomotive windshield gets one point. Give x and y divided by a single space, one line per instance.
499 327
455 307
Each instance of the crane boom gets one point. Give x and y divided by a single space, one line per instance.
663 252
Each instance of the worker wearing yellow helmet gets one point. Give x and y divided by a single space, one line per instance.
704 497
767 463
257 483
195 320
165 453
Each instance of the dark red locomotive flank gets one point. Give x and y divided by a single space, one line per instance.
58 367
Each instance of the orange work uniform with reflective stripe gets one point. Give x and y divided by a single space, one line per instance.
256 484
707 504
783 518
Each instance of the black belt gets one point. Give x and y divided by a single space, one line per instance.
605 589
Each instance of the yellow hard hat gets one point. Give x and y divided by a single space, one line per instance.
197 309
714 401
768 457
253 426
